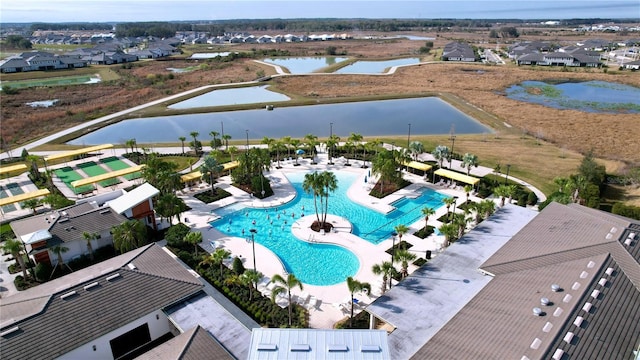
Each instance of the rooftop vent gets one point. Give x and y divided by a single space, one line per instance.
609 271
537 311
64 213
578 321
632 236
558 354
300 347
586 307
547 327
595 294
609 236
113 277
591 264
63 220
10 331
567 298
337 348
558 312
555 288
628 242
568 337
613 230
267 347
583 275
544 301
67 295
132 266
576 286
91 286
602 282
535 344
105 211
370 348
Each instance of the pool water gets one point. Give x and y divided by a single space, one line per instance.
312 263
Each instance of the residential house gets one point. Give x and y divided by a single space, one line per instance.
456 51
560 284
106 311
137 204
632 65
14 64
39 61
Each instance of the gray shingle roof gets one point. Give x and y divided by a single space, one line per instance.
581 250
195 344
62 325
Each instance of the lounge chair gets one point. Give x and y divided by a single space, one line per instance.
313 302
303 298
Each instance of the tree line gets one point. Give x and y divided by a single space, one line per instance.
70 26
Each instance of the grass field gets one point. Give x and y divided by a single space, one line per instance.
105 73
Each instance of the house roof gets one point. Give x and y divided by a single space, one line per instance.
69 229
51 320
195 344
133 198
422 303
318 344
34 223
584 252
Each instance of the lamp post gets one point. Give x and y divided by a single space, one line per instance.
507 177
453 141
253 245
222 130
247 139
393 247
409 137
330 130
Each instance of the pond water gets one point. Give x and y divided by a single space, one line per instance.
305 65
42 103
374 67
589 96
428 115
245 95
210 55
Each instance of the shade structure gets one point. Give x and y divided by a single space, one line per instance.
230 165
78 152
418 165
110 175
191 176
23 197
12 168
457 176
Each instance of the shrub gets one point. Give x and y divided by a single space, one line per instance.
43 271
175 235
237 266
532 199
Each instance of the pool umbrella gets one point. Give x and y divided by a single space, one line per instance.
299 152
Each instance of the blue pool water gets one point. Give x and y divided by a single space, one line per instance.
312 263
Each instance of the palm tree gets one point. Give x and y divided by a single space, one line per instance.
487 207
427 212
311 140
214 142
216 258
31 204
285 285
59 250
401 229
129 235
295 143
403 257
467 191
89 237
194 135
440 153
212 168
226 138
182 140
286 140
387 271
416 148
233 151
355 139
502 191
250 278
449 231
15 248
469 160
347 147
461 221
331 144
320 185
194 238
169 205
449 202
354 287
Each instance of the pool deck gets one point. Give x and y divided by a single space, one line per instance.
328 310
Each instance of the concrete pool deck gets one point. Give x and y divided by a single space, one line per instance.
327 311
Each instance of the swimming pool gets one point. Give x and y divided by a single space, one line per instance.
312 263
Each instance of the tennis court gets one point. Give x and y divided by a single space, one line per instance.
115 164
68 175
92 169
6 208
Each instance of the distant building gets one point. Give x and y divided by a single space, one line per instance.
39 61
456 51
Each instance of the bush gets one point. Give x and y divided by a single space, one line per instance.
532 199
43 271
630 211
238 268
175 235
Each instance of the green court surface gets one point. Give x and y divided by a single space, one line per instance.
92 169
115 164
15 189
68 175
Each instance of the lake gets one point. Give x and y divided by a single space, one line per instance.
305 65
428 115
588 96
245 95
374 67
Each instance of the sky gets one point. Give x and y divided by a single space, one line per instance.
163 10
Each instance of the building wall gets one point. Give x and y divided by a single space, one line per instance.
158 326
